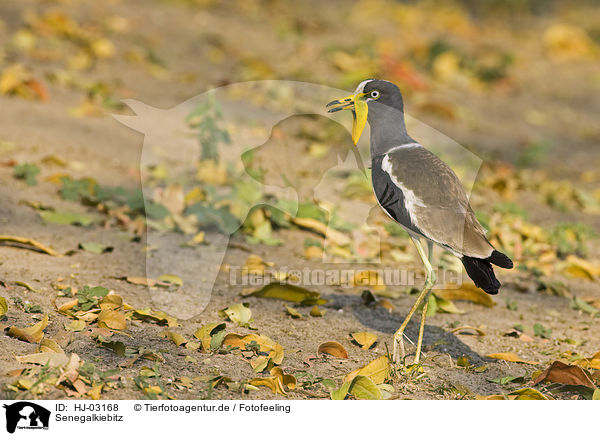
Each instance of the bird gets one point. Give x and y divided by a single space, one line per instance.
420 192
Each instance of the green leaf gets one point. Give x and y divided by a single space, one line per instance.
508 379
363 387
342 392
27 172
81 219
541 331
208 216
579 304
156 211
596 394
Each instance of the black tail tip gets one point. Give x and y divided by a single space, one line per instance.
482 274
500 259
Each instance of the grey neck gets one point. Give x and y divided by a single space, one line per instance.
387 128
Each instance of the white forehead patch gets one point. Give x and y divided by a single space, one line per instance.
361 85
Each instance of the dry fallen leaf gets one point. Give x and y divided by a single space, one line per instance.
292 312
238 313
323 229
287 292
144 281
364 388
334 349
511 357
176 338
277 382
35 333
468 327
206 333
467 291
560 372
589 362
234 340
316 311
3 306
377 370
112 319
50 358
364 339
520 394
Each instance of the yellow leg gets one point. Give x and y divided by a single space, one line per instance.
429 282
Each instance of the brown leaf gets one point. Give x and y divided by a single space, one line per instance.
560 372
334 349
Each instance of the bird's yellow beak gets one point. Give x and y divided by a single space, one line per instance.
360 110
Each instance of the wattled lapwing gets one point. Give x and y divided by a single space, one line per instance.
421 193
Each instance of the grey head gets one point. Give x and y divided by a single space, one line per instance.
385 116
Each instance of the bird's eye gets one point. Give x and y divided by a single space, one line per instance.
374 94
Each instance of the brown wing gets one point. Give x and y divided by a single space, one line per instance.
436 201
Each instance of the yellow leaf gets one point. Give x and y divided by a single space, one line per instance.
67 306
334 349
368 278
49 358
260 363
76 325
313 252
364 339
292 312
112 319
35 333
287 292
511 357
316 311
111 302
234 340
238 313
467 291
333 235
204 333
155 315
276 354
277 382
95 391
49 345
176 338
3 306
468 327
377 370
580 268
171 278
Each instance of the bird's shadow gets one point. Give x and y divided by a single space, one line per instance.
380 319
